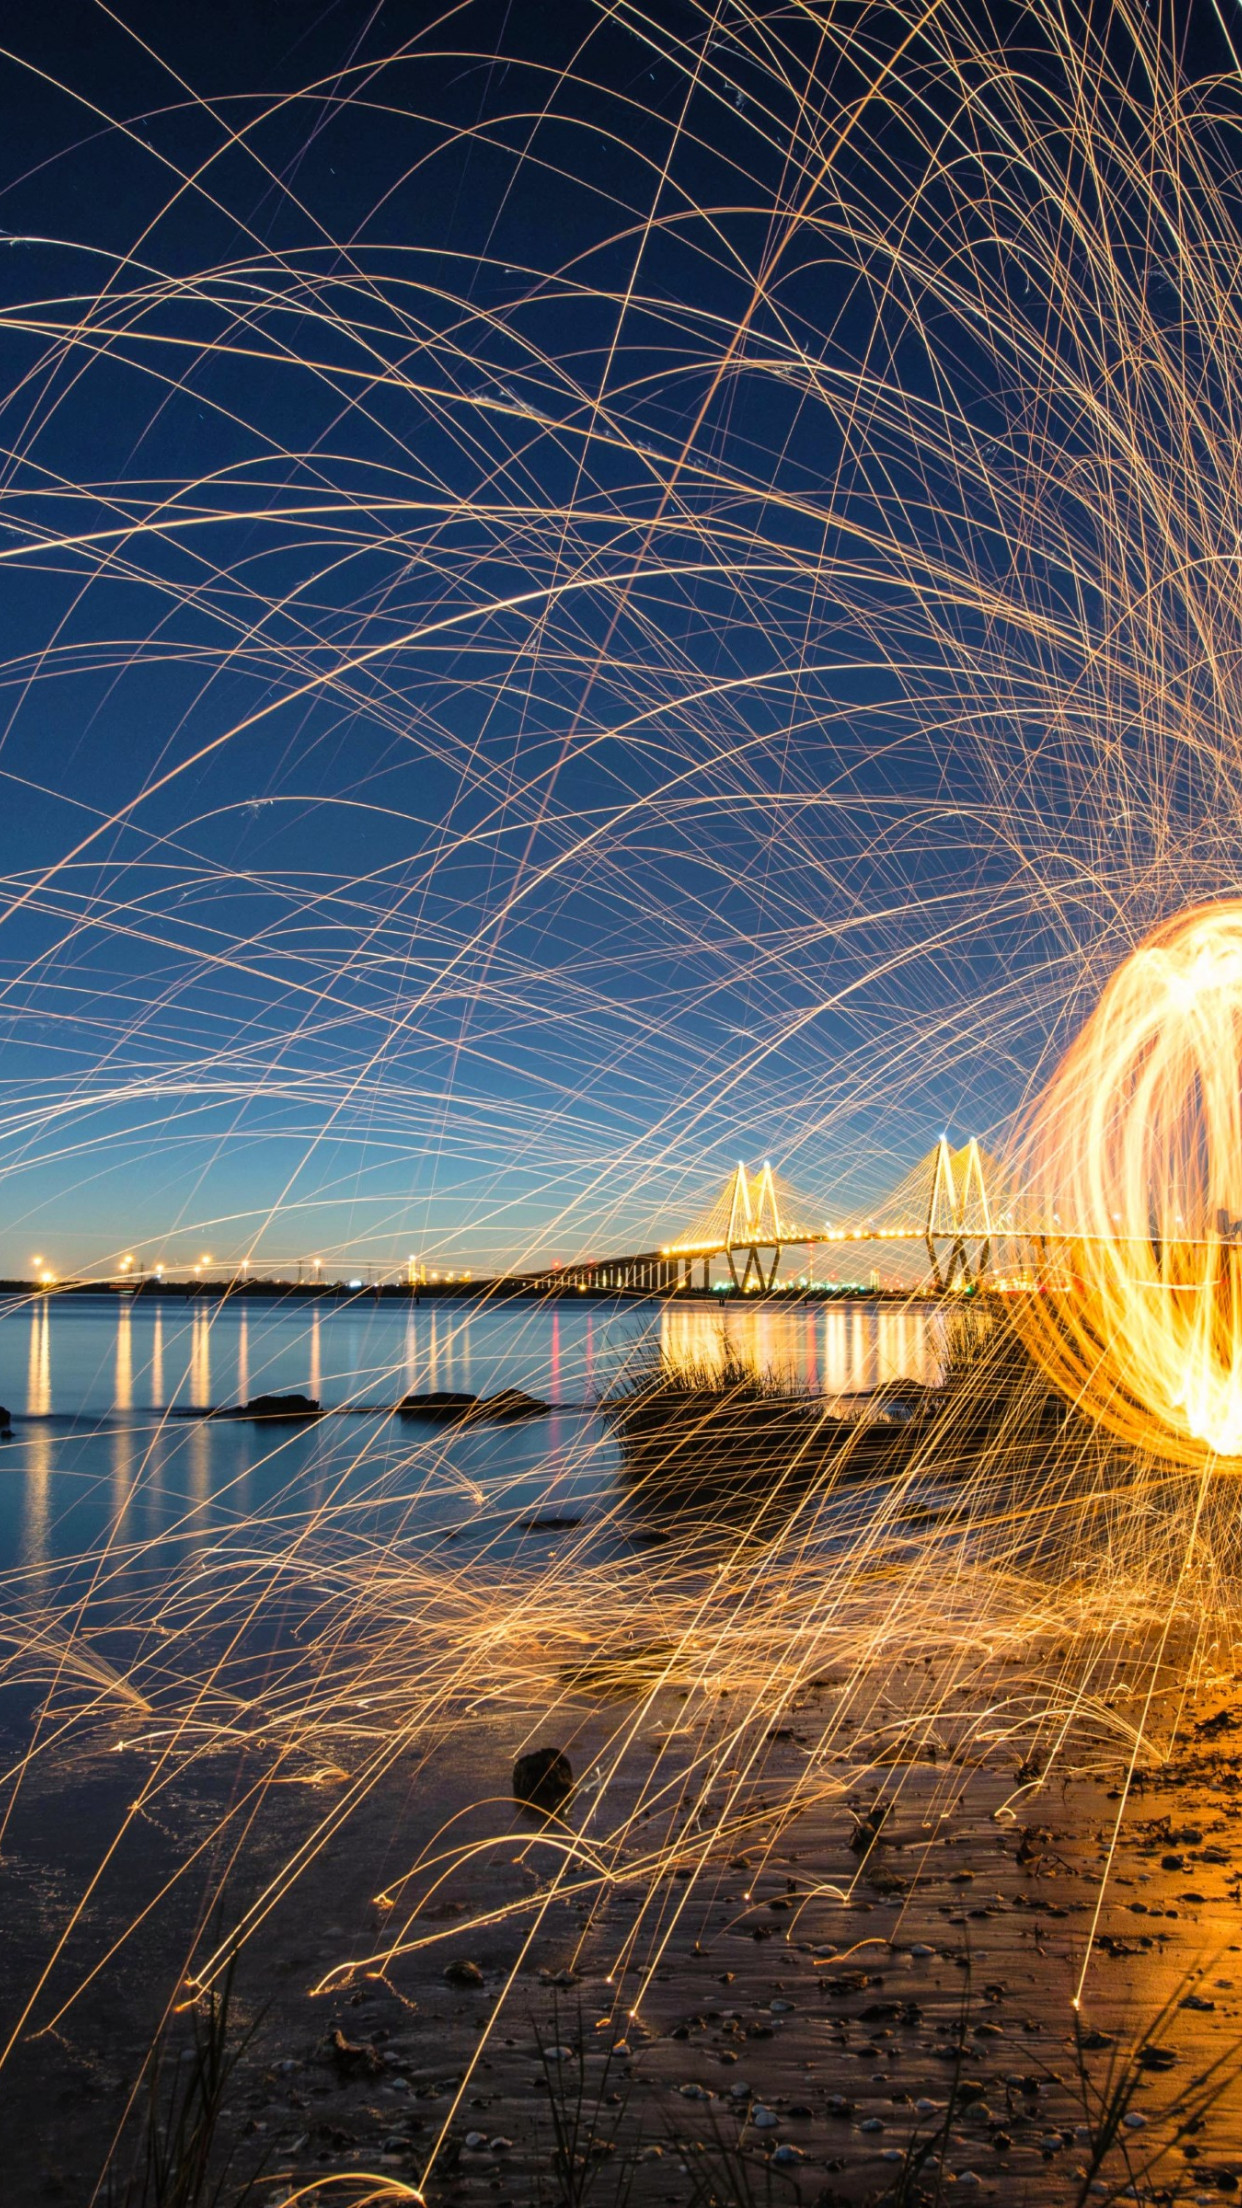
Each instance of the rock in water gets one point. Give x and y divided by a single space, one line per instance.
440 1404
509 1405
282 1406
6 1423
480 1410
543 1778
285 1407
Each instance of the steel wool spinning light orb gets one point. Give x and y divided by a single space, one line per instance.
1133 1161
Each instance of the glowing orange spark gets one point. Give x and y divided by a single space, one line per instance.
1135 1167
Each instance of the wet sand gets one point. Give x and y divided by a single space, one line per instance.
794 1999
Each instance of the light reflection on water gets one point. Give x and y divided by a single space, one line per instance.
127 1475
157 1357
39 1359
200 1354
34 1529
108 1355
839 1349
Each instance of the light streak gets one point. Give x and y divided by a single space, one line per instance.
777 704
1134 1167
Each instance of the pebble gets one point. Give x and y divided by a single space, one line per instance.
738 2091
475 2140
927 2108
787 2153
1133 2121
763 2118
500 2145
872 2123
462 1972
969 2177
921 1949
779 2008
559 2054
621 2047
692 2092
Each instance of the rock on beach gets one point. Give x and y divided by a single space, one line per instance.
543 1778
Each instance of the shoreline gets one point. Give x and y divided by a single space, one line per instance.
500 1291
791 2004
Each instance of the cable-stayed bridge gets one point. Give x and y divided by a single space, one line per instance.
955 1202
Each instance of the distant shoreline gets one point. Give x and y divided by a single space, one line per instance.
504 1288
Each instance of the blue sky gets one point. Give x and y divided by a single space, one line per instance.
477 754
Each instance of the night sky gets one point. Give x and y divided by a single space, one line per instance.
549 640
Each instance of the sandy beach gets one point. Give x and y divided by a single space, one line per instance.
818 2011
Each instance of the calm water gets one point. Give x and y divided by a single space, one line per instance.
98 1470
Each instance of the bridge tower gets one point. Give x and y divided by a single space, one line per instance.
958 1212
755 1226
